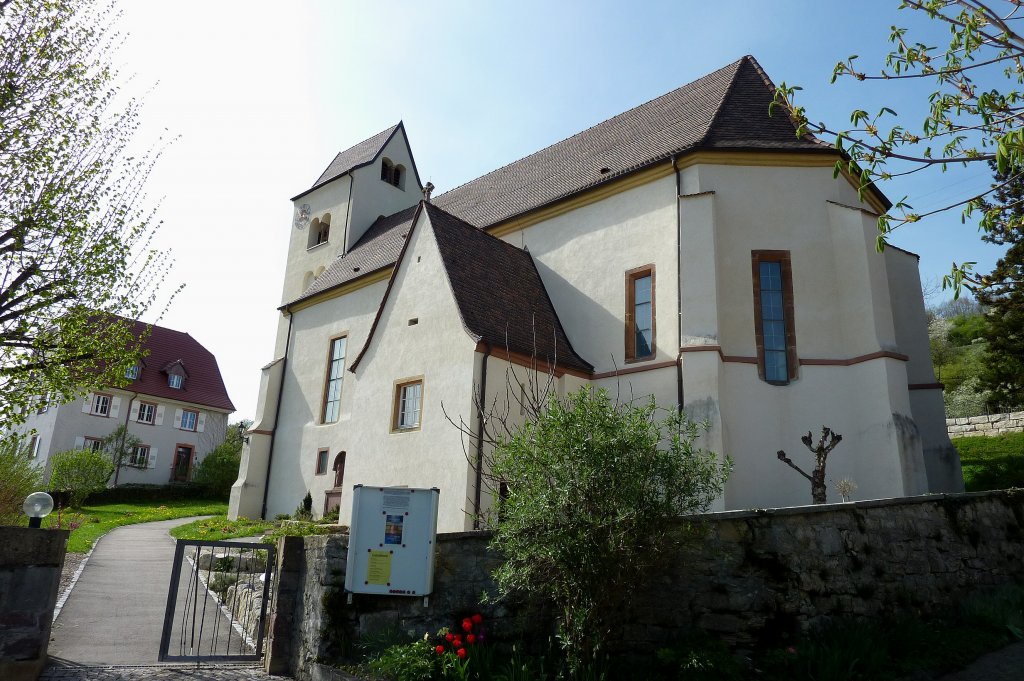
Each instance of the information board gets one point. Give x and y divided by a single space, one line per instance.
391 546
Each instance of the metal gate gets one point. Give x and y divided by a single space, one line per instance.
217 602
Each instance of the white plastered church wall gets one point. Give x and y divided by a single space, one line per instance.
436 348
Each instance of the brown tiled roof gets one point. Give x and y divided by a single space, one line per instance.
726 109
166 347
353 157
500 294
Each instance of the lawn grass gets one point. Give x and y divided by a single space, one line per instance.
219 527
995 462
91 522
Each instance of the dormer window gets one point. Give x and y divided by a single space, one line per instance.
176 374
132 372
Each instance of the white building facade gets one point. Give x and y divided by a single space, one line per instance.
173 400
692 248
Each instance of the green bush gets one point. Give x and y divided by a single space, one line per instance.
595 492
700 657
218 471
304 511
414 661
80 472
18 478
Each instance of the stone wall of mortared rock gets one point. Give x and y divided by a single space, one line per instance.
991 424
753 577
30 564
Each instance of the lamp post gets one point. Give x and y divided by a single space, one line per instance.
37 506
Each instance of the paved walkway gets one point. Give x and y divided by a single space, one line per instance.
1003 665
109 628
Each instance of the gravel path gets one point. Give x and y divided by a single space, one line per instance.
71 563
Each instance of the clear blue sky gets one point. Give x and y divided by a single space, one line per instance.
262 95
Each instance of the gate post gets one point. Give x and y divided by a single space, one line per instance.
287 594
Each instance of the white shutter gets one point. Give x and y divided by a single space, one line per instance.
115 407
159 415
201 423
177 418
87 406
79 442
151 461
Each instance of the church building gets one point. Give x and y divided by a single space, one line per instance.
693 249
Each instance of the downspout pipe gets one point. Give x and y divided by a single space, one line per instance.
277 414
348 213
679 282
480 435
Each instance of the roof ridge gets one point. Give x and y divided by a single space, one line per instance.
595 125
807 136
725 96
475 229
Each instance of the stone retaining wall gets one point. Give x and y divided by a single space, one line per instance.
30 564
992 424
756 576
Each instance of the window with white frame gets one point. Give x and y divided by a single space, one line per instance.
33 447
139 456
189 419
101 405
95 444
175 381
147 413
132 372
408 405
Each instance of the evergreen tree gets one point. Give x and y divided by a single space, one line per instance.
1003 374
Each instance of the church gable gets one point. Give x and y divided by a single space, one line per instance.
418 311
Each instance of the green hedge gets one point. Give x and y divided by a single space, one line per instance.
136 493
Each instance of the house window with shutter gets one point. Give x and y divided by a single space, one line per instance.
101 404
139 456
147 413
189 419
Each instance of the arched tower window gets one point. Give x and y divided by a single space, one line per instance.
319 230
398 177
386 168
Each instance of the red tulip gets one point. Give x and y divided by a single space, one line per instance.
467 624
457 642
477 618
461 652
439 650
448 637
470 639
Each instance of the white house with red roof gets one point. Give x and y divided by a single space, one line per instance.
693 248
174 401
